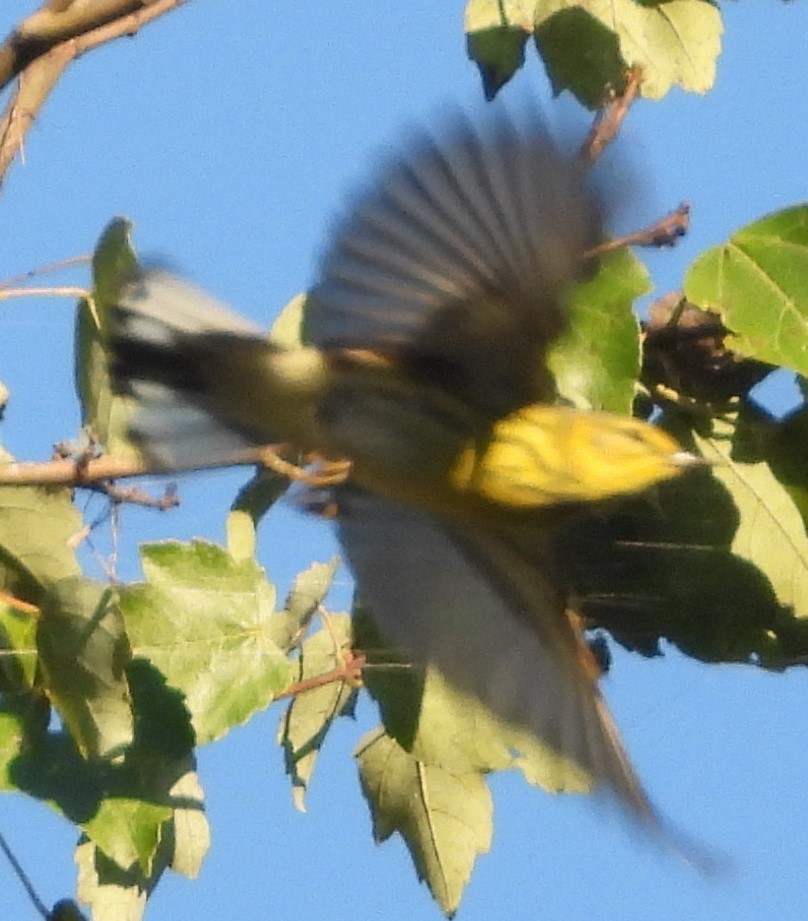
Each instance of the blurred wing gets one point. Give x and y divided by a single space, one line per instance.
483 610
457 259
205 379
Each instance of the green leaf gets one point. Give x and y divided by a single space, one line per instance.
12 733
444 818
18 652
83 652
253 501
580 54
205 620
758 281
496 33
311 713
191 832
308 591
36 528
114 894
440 725
128 830
597 361
588 47
770 532
104 414
685 564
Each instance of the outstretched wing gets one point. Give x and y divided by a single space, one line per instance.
456 261
482 605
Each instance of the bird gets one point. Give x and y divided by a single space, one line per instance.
439 292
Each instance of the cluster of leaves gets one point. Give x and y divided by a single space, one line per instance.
590 47
105 692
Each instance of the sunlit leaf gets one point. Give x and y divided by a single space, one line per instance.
758 281
205 620
36 525
596 363
311 713
308 591
770 532
589 47
444 818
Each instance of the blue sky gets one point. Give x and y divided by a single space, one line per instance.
230 133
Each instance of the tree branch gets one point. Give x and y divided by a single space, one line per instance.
609 119
665 232
39 50
84 472
350 672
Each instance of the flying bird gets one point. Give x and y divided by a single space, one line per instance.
439 293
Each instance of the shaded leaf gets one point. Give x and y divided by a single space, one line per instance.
580 53
105 414
36 524
83 652
311 713
682 565
114 894
308 591
770 532
191 836
496 33
758 281
442 726
204 619
596 362
444 818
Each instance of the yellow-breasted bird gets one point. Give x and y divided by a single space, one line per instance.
438 296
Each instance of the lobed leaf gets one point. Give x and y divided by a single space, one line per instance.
496 34
444 818
588 47
758 281
311 713
596 362
83 652
205 620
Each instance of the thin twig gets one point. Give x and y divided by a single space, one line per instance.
665 232
609 119
47 269
350 672
6 294
23 878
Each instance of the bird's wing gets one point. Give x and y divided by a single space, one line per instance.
482 605
457 259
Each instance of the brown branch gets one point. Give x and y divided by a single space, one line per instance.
665 232
350 672
609 119
134 496
87 472
18 604
39 50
